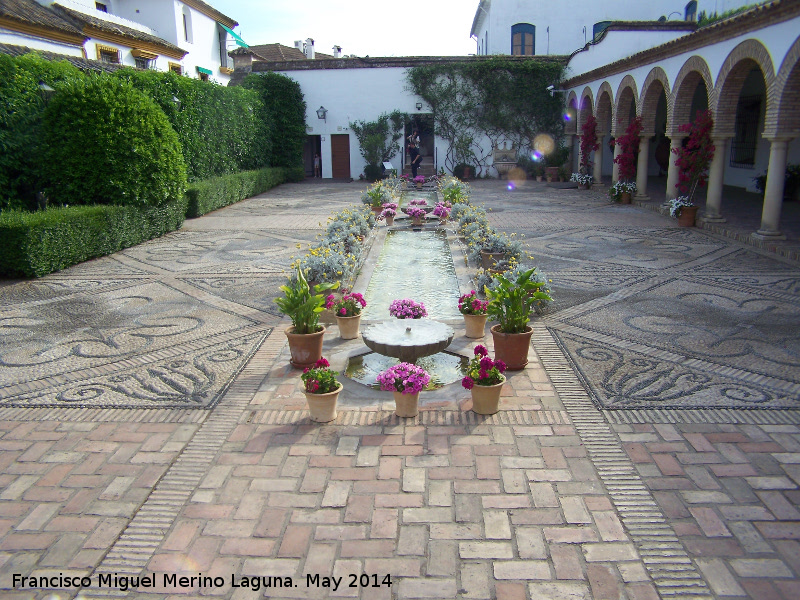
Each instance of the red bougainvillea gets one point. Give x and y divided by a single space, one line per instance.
629 144
695 156
589 143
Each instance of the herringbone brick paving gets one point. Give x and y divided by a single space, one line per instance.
530 503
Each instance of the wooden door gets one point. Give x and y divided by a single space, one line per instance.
340 156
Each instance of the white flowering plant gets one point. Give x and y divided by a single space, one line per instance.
582 179
676 204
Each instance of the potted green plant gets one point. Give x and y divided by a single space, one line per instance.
589 144
485 381
511 303
474 311
322 391
622 191
626 159
303 306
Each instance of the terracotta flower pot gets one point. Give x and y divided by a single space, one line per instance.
348 327
419 186
377 210
486 398
323 406
306 349
475 325
406 405
389 220
687 216
512 348
625 198
490 259
417 220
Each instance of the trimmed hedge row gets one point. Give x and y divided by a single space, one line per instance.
33 244
211 194
38 243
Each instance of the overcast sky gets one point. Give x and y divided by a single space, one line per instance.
360 27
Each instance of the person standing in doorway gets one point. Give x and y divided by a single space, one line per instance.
413 152
317 166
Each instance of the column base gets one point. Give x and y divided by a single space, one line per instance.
642 197
714 218
768 235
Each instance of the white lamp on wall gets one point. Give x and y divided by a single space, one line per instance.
322 113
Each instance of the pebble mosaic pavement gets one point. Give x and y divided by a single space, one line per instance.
194 452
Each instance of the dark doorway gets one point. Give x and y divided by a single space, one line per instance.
312 147
424 125
340 156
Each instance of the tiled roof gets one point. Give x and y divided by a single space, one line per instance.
82 20
83 64
210 11
280 53
31 12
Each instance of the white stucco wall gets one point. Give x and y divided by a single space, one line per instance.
571 22
353 95
20 39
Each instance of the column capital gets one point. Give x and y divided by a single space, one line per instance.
778 139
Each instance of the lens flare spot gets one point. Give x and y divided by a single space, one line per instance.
510 186
544 144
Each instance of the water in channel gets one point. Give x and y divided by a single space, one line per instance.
416 265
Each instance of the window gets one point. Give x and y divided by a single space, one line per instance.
202 76
690 12
143 63
101 7
523 39
176 68
745 139
187 24
486 43
599 28
225 61
107 54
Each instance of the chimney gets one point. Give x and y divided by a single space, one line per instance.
337 52
309 48
299 45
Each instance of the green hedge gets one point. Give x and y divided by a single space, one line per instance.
35 244
211 194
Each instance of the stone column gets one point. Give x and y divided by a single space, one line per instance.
569 140
716 173
597 168
615 166
641 168
672 172
773 194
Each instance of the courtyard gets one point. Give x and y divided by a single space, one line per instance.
151 424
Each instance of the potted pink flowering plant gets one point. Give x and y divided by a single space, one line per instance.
442 210
419 180
322 391
407 309
474 310
389 212
405 381
485 381
348 313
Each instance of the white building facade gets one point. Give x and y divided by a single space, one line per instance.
189 37
529 28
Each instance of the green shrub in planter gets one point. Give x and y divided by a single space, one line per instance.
130 156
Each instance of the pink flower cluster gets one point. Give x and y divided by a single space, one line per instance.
469 304
349 306
419 179
407 309
415 211
418 202
483 370
405 378
442 210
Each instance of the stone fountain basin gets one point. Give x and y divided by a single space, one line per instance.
408 339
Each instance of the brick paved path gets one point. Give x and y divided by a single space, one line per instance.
550 498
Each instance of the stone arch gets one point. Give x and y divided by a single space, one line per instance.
736 67
627 100
679 104
586 107
571 126
783 116
604 110
654 85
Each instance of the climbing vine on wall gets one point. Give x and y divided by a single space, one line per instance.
500 98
